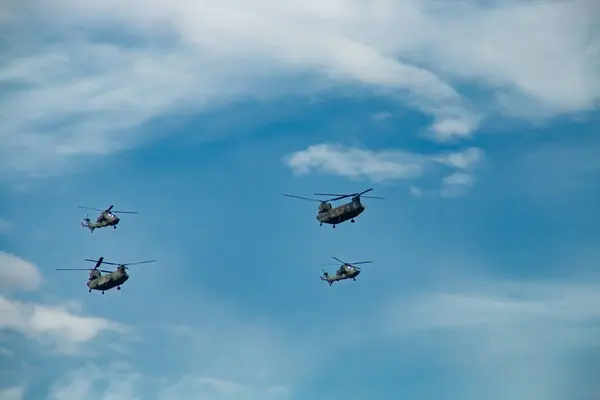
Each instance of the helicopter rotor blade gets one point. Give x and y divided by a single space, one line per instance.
139 262
360 194
124 212
303 198
90 208
98 262
373 197
337 259
109 208
73 269
361 262
106 271
338 196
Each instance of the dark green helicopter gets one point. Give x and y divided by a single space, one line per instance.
346 271
112 279
336 215
105 219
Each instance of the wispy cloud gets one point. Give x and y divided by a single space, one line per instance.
62 325
387 165
83 94
125 383
507 332
16 273
13 393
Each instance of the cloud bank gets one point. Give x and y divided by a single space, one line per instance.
87 90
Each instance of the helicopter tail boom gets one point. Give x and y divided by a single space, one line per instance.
86 224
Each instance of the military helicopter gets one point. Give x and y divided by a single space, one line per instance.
106 218
346 271
329 215
112 279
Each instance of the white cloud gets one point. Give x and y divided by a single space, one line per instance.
467 159
191 387
124 383
355 163
16 273
13 393
456 184
387 165
506 332
80 97
382 116
415 191
58 325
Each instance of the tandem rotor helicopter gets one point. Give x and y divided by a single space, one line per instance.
112 279
105 219
346 271
336 215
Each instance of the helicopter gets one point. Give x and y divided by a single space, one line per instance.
336 215
346 271
106 218
112 279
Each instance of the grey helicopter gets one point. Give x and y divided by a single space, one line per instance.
105 219
342 213
111 279
346 271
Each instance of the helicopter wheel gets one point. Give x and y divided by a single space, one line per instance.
89 290
103 292
334 226
118 287
321 224
114 227
354 279
352 220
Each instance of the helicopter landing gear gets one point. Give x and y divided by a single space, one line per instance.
354 279
118 287
89 290
103 292
321 224
352 220
114 227
334 226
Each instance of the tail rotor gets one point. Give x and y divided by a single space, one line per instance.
86 223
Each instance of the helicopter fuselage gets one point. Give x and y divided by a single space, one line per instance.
343 213
107 219
108 281
346 273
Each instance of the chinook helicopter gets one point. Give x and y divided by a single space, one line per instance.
336 215
106 218
112 279
346 271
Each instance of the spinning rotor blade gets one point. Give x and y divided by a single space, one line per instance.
125 265
343 196
98 261
89 208
139 262
73 269
124 212
337 259
339 196
109 208
303 198
353 264
373 197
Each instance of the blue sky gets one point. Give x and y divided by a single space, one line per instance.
479 125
